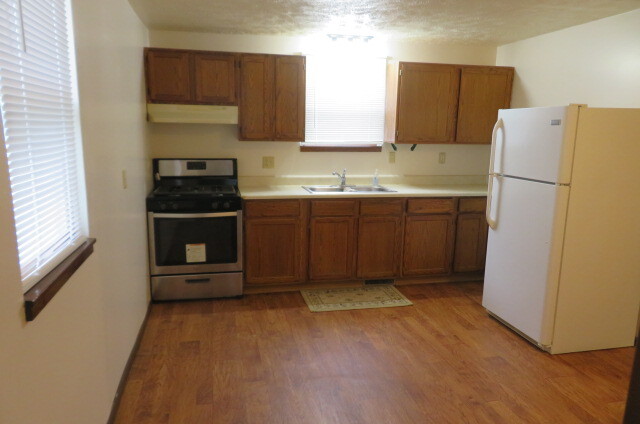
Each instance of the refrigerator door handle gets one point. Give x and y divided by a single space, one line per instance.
494 136
492 223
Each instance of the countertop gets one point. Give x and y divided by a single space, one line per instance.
289 188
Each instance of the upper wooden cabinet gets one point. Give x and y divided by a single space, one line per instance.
441 103
483 90
215 78
168 76
191 77
427 103
257 97
272 97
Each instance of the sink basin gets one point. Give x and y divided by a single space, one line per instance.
346 189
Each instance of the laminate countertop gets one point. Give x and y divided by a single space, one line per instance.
253 190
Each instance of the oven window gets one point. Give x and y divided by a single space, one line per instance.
187 241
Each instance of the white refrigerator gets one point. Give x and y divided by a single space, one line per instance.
563 208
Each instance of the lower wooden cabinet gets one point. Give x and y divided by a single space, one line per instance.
292 240
471 243
273 251
332 248
275 242
428 245
379 246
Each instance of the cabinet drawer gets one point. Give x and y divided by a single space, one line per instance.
436 205
472 204
333 207
264 208
381 207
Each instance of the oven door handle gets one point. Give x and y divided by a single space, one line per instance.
194 215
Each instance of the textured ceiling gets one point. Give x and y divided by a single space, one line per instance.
459 21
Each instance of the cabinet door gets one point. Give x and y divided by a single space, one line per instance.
427 103
257 102
331 247
428 244
290 89
168 76
471 243
483 90
215 78
274 250
379 246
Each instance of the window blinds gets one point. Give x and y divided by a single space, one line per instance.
345 99
41 132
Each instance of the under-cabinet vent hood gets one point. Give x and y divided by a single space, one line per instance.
192 114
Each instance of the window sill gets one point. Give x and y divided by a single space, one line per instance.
41 294
316 147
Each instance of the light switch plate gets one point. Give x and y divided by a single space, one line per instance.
392 157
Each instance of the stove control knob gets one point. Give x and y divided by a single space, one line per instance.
225 205
163 206
174 206
215 205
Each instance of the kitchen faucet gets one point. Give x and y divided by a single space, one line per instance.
343 177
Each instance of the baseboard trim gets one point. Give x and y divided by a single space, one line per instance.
127 369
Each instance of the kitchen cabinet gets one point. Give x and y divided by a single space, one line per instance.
471 236
483 90
380 238
443 103
340 241
191 77
168 75
332 239
272 97
428 237
275 241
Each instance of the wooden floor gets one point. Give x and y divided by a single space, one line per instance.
267 359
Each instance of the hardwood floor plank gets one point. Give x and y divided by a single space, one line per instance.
267 359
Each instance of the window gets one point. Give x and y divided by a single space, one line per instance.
345 100
40 127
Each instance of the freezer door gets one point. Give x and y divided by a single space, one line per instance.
535 143
523 255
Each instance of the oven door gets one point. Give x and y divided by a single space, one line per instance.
190 243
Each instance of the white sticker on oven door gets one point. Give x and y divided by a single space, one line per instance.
196 252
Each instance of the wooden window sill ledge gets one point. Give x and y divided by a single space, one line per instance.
41 294
338 148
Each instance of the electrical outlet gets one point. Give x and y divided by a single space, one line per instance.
392 157
124 179
268 162
442 157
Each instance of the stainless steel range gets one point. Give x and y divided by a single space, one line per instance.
195 229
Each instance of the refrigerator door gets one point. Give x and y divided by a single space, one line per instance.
535 143
523 255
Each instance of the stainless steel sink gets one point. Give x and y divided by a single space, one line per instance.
345 189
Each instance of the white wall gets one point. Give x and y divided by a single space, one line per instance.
64 367
171 140
597 63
